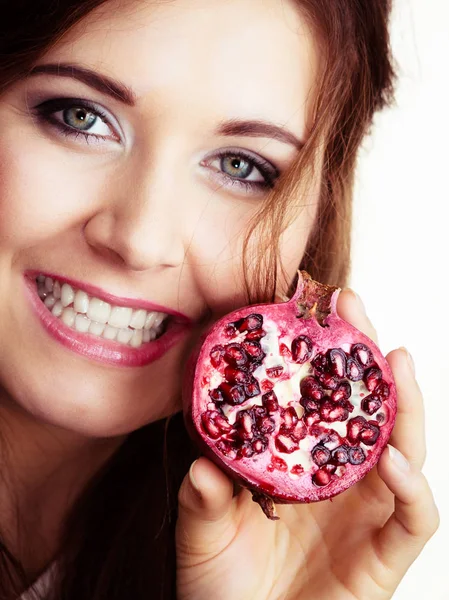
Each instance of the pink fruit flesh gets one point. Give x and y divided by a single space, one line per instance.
290 400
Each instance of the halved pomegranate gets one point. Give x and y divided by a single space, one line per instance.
290 400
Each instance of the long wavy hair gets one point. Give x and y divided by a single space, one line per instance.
118 539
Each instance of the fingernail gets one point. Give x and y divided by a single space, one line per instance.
399 459
411 362
192 479
358 299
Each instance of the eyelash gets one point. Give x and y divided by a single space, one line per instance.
47 109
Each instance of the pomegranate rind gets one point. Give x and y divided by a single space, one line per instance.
314 310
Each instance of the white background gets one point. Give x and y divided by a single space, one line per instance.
401 246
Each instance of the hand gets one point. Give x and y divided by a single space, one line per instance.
356 547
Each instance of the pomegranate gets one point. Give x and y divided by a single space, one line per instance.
289 399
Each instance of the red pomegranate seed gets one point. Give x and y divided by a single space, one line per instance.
319 363
270 402
354 428
330 412
245 451
252 388
284 351
354 371
215 424
309 404
290 418
311 388
235 355
235 375
216 355
370 434
230 331
227 449
250 323
321 478
253 350
343 392
275 371
340 455
266 425
382 390
337 362
297 470
299 432
320 455
286 444
255 335
233 394
216 396
278 464
372 378
244 424
328 381
312 418
356 456
371 404
260 445
302 349
362 355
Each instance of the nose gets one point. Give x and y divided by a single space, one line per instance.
138 224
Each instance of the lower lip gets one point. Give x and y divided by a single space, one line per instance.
98 349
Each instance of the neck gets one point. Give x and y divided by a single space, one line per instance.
44 470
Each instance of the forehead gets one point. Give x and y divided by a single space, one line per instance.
238 58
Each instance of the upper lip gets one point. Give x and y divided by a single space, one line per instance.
97 292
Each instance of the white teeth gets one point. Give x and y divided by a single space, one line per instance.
81 302
68 316
146 336
49 301
98 310
158 320
82 323
49 284
138 319
110 333
136 340
67 294
57 290
150 320
57 309
124 336
120 317
96 328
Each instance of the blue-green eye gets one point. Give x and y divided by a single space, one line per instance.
236 166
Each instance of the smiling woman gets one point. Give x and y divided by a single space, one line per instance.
161 164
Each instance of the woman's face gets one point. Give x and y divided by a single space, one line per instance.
132 194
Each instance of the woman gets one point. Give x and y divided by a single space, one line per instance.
147 148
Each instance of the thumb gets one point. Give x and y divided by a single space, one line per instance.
206 520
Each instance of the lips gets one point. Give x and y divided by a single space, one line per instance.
100 326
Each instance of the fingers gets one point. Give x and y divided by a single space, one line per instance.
350 308
206 522
415 518
408 435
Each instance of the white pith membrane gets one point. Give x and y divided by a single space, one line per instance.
87 314
296 460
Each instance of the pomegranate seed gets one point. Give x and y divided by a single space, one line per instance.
354 371
371 404
311 388
277 463
266 385
343 392
309 404
362 355
270 402
230 331
233 394
297 470
286 444
235 375
275 371
354 428
370 434
302 348
253 350
340 455
255 335
333 412
215 424
382 390
260 445
266 425
252 388
284 351
226 448
320 455
299 432
244 424
245 451
328 381
290 418
356 456
372 378
250 323
259 412
337 362
321 478
216 396
216 355
319 363
312 418
235 355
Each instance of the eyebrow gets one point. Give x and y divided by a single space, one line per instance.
117 90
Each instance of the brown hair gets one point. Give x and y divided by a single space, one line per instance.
119 537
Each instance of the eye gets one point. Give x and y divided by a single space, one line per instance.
242 169
74 117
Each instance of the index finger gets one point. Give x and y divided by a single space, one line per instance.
350 308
